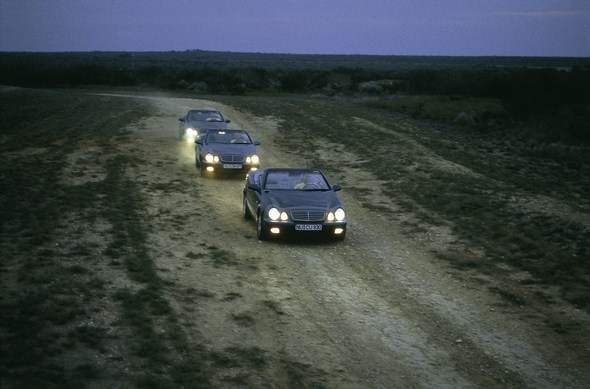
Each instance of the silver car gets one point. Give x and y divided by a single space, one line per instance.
197 121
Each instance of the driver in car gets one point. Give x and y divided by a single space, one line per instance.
239 138
311 180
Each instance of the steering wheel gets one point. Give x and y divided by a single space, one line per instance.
311 186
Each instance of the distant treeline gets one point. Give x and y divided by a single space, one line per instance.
527 86
238 73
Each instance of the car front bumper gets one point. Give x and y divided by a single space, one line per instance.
328 229
219 167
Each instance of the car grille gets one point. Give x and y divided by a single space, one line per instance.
232 158
308 216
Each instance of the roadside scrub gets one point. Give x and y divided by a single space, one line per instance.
64 243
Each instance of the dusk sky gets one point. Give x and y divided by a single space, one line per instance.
384 27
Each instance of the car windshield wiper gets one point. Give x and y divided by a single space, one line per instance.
316 190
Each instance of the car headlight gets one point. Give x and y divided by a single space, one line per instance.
274 214
339 214
191 132
211 158
330 217
253 159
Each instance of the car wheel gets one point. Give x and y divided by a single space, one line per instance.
260 228
245 210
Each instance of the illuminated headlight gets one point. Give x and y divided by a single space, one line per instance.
253 159
190 132
339 214
330 217
274 214
211 158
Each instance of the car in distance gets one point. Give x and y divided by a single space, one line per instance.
198 121
287 201
231 151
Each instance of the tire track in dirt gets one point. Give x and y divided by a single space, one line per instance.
375 310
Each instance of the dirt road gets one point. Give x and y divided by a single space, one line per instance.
376 310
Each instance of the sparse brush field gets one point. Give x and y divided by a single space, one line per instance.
120 268
56 288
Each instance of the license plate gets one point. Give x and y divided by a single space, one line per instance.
308 227
232 166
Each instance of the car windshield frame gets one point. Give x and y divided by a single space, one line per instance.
236 137
296 180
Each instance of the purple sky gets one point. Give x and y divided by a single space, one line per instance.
389 27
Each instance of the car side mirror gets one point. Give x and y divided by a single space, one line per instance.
199 141
181 119
257 143
255 187
227 121
336 187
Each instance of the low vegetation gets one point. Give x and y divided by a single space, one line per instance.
466 89
498 156
56 287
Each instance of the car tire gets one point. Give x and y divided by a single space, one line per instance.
245 211
261 233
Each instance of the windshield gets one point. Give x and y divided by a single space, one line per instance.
229 137
205 116
296 180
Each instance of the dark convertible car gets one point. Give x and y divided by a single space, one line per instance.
231 151
293 201
197 121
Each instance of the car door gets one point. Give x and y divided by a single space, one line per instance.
199 142
253 192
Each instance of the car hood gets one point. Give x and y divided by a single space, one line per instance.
235 148
208 125
303 199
